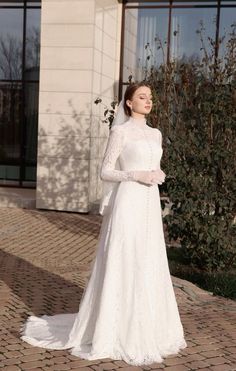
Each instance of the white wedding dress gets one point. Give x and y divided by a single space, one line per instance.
128 310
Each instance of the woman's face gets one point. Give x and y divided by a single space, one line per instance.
141 102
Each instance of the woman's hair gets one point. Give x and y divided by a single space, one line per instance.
131 89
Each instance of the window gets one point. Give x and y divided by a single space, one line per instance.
159 31
19 85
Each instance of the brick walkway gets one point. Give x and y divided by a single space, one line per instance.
45 259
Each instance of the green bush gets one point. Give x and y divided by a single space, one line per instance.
219 283
195 108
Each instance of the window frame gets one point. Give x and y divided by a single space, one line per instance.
170 4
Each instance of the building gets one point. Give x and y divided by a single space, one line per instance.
57 57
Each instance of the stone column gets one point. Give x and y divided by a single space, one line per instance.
80 46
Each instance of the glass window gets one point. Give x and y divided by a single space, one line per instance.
32 44
31 118
19 91
33 3
195 3
145 41
226 2
185 43
11 44
148 3
227 19
174 3
10 114
10 3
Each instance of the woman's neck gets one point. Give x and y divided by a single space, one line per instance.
140 121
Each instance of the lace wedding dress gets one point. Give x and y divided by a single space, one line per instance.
128 310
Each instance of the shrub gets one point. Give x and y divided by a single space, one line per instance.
195 108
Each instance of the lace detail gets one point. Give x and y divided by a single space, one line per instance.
113 150
128 309
119 137
148 359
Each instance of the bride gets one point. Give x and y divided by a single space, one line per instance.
128 310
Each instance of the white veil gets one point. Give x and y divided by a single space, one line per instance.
109 187
120 117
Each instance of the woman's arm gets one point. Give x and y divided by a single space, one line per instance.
159 173
109 173
159 136
114 147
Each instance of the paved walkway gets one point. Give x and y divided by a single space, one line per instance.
45 259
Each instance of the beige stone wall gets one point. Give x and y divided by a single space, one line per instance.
80 47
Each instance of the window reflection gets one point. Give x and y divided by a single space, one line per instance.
185 43
10 3
145 41
18 124
31 117
10 113
11 44
32 45
227 19
195 3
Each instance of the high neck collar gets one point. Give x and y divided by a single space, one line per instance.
141 122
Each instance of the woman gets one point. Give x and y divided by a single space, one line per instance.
128 310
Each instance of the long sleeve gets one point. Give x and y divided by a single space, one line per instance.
113 150
158 137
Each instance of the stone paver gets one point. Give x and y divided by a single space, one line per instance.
45 260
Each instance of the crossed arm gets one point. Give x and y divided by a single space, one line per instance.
109 173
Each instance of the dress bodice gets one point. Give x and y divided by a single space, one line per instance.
131 146
141 149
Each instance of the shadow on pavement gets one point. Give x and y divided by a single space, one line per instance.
41 291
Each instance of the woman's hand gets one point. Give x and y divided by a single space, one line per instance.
150 177
158 176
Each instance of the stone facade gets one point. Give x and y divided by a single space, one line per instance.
80 58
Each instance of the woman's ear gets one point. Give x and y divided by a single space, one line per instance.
128 103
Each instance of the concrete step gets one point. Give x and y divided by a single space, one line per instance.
18 197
